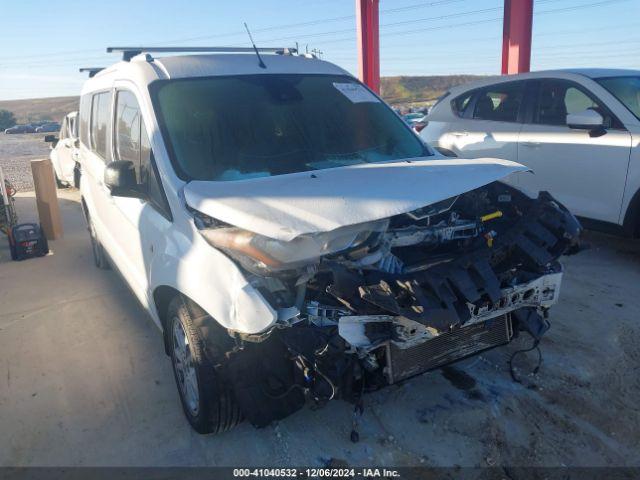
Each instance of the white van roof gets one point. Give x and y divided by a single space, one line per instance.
144 69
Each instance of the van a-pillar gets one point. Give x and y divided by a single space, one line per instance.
516 36
368 43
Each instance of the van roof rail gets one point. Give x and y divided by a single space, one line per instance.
129 52
92 70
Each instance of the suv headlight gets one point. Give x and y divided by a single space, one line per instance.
264 255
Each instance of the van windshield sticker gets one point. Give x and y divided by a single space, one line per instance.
356 92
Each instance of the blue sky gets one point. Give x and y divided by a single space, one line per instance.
45 42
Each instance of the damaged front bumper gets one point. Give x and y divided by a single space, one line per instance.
411 347
356 329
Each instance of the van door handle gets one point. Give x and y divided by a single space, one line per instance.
531 144
459 134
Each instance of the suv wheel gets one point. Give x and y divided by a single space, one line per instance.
99 255
76 175
59 183
207 404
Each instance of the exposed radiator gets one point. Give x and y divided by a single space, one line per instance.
446 348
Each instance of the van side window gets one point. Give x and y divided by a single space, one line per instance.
127 128
459 104
85 114
500 103
132 143
100 109
558 98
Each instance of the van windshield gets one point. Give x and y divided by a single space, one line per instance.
246 126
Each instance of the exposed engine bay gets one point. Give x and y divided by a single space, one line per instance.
372 304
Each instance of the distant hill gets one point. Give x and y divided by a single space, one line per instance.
395 90
32 109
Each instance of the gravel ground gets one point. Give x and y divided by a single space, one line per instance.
16 153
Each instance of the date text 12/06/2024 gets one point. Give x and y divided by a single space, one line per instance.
316 473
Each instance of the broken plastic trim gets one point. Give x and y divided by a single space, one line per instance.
403 333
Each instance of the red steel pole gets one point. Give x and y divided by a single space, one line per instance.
516 36
368 43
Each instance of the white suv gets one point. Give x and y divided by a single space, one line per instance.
293 239
578 131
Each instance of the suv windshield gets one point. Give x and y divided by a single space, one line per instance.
245 126
625 89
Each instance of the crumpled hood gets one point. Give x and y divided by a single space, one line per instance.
286 206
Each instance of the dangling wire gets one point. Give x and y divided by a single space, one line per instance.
358 411
517 352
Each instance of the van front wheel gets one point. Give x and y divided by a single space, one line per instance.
207 404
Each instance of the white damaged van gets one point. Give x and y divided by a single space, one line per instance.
293 239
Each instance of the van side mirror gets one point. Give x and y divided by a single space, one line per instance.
586 120
120 178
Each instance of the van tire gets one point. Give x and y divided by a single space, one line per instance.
99 255
214 409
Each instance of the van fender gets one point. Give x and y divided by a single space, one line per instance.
213 281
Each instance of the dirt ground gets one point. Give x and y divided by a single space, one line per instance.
84 381
16 153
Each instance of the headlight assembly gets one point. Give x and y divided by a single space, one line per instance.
264 255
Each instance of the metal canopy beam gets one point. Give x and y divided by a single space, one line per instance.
368 43
516 36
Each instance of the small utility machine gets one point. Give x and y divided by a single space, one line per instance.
26 240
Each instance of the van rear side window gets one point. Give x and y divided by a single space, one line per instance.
100 109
